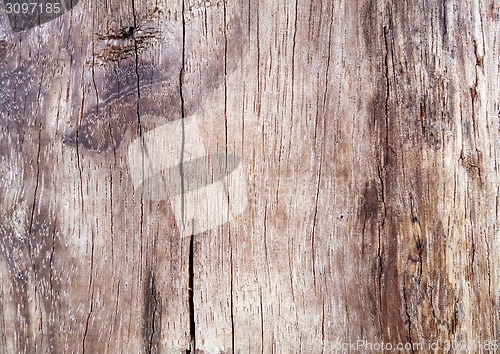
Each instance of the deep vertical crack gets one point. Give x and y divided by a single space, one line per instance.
192 323
91 287
183 112
35 193
152 314
231 295
225 186
131 32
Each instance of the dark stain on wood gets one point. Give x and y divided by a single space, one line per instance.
132 88
371 204
151 328
3 49
104 124
380 206
370 30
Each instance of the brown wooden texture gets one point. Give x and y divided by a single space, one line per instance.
368 132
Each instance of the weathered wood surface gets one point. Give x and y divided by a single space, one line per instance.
369 137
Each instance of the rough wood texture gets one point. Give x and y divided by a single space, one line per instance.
369 136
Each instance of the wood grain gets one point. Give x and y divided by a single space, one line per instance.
368 132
